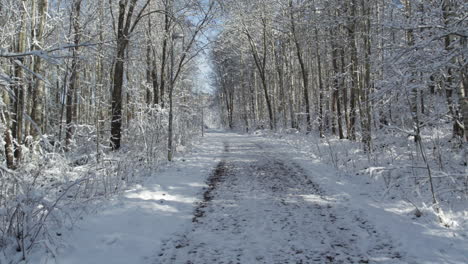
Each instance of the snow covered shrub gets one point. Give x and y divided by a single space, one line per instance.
147 134
187 125
50 189
34 201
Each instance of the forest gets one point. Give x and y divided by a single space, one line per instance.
98 96
390 76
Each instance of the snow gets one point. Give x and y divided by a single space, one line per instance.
265 202
267 210
423 238
130 228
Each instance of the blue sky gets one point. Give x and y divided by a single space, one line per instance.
205 71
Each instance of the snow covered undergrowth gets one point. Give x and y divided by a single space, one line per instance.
390 205
131 226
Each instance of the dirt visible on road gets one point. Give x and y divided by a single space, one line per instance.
261 208
213 181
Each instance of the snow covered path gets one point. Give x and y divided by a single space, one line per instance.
262 207
249 199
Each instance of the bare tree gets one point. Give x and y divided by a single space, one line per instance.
127 21
74 76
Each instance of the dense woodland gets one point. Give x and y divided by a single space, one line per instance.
80 80
95 92
388 75
348 68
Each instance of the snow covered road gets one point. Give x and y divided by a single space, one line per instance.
262 207
249 199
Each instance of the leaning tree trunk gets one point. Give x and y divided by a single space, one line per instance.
305 77
261 67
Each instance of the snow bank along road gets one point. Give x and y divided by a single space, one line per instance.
262 207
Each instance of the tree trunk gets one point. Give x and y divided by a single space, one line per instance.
38 91
354 71
305 78
344 91
19 89
336 95
463 97
123 30
366 88
320 83
9 146
71 92
464 100
162 75
451 88
149 65
116 124
154 78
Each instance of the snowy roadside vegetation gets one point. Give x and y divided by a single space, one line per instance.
42 199
399 172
